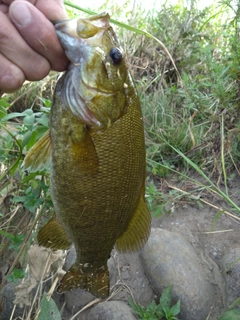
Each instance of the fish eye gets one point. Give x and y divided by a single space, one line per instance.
115 55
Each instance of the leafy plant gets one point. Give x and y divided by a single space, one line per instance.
233 314
15 240
16 275
163 310
48 309
24 197
155 200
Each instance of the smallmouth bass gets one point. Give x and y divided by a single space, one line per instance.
97 153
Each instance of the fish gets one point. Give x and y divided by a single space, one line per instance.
96 151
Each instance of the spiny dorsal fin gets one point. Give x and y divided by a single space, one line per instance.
138 229
39 156
52 235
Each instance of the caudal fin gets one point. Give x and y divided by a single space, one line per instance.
94 280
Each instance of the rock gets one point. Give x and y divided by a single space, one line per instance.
111 310
126 269
7 296
169 259
70 259
77 299
231 273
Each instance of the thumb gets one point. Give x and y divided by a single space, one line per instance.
52 9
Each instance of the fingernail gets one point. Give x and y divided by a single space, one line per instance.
21 14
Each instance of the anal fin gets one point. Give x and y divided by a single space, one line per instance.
138 229
52 235
39 156
94 280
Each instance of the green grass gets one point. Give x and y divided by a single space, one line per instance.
154 311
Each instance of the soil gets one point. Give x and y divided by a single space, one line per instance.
212 231
202 221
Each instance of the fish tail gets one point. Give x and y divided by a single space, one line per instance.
94 280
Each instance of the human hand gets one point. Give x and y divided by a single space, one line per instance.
29 46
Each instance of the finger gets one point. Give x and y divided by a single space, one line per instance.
11 77
52 9
3 8
39 33
16 50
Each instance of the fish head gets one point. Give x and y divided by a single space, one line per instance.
97 82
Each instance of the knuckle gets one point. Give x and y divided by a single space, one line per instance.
39 69
4 34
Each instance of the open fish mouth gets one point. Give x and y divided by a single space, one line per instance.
84 28
94 88
75 36
70 31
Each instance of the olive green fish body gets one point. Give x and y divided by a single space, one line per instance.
101 201
97 157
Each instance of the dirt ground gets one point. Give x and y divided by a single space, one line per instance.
203 222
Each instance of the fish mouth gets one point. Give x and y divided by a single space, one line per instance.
77 36
83 28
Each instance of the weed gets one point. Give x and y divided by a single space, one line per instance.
163 310
23 197
16 275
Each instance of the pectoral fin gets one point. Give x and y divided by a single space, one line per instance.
138 229
84 153
53 236
39 156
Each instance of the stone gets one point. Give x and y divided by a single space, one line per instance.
111 310
7 296
169 259
76 299
126 269
231 273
